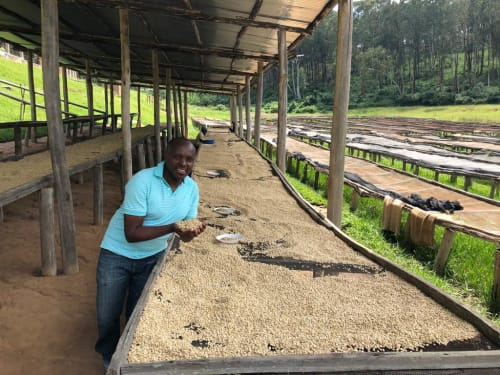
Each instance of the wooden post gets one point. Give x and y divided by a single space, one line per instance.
66 100
169 103
316 180
47 243
31 132
18 142
247 112
141 157
156 101
139 117
453 178
282 99
297 168
444 251
436 176
125 102
494 187
176 116
98 194
50 68
304 172
496 281
1 214
238 130
404 165
467 182
90 97
106 99
416 170
186 118
354 200
149 151
258 102
341 104
112 106
182 122
232 110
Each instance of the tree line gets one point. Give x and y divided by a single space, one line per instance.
411 52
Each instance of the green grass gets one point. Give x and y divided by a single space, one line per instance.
467 113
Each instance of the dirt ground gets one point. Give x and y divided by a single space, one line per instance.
48 324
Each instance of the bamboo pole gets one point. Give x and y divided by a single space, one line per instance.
168 98
156 101
48 252
64 199
341 105
247 108
125 102
282 100
258 102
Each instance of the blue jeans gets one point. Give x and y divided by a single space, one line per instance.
116 275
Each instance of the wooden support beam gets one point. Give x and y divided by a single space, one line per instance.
66 100
354 200
168 99
467 182
258 102
18 142
496 281
139 114
98 194
436 176
90 96
31 132
112 106
297 168
341 104
232 109
125 102
176 113
494 188
106 99
186 118
2 216
304 172
282 99
238 130
248 104
50 69
444 251
416 170
141 157
47 242
316 180
149 152
181 113
156 105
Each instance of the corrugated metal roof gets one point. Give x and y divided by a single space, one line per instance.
209 44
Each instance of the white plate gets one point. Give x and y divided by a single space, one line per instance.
229 237
213 173
224 210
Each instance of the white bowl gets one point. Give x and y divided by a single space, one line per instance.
229 237
224 210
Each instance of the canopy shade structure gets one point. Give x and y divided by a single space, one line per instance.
210 45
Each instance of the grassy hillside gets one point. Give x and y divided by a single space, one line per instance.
17 73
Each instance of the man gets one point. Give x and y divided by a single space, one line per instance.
155 200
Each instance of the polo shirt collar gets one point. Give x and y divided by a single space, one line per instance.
158 172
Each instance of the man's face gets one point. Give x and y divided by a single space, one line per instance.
179 160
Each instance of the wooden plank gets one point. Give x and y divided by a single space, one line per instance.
125 103
340 107
119 358
444 251
334 363
258 103
282 100
98 195
50 68
47 243
156 103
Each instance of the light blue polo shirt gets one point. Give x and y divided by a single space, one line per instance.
148 194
